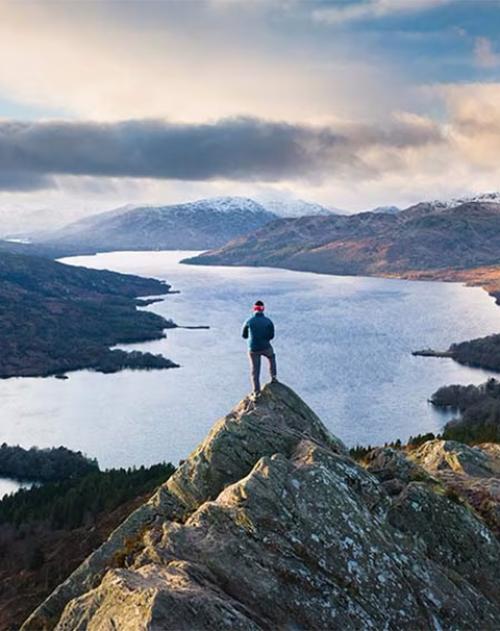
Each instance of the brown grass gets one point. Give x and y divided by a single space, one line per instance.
486 277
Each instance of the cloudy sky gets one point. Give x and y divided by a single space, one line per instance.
350 103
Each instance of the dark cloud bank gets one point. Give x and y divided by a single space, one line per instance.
237 149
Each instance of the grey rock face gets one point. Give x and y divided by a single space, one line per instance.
448 455
271 525
388 464
472 473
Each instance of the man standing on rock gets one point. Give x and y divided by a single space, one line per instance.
259 331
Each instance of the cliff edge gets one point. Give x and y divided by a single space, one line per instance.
270 524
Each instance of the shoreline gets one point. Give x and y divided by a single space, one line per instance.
486 277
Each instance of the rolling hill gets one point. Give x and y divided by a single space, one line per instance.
421 239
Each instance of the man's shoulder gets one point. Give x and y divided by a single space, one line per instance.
260 319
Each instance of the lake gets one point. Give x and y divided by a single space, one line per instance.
343 343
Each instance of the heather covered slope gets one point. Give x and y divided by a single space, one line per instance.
56 317
421 239
270 524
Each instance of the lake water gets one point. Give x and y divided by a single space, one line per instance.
343 343
8 486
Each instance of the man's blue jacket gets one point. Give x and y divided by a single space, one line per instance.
259 331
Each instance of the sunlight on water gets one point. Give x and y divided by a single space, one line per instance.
343 343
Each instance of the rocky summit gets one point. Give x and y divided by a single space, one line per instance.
269 524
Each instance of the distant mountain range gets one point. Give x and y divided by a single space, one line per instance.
424 237
297 234
390 210
198 225
207 223
442 204
47 223
298 208
492 197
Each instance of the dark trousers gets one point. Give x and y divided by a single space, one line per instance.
255 365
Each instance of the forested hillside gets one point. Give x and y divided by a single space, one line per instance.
56 317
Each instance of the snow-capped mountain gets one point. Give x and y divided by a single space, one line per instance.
198 225
493 197
297 208
442 204
227 205
414 240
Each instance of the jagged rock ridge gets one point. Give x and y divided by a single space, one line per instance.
270 524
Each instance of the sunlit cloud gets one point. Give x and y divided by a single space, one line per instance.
160 102
177 68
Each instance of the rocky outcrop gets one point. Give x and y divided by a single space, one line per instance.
466 474
270 524
394 469
472 473
448 455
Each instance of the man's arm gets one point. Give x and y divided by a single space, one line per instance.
271 330
244 333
